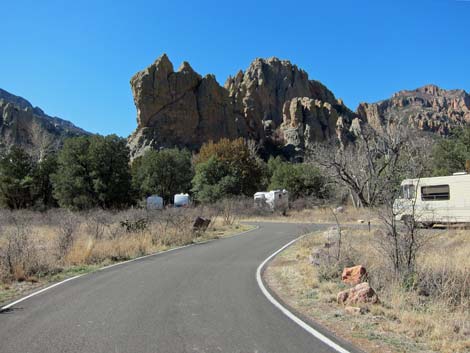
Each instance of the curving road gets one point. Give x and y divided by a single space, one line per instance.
202 298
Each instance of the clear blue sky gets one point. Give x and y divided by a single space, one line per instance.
75 58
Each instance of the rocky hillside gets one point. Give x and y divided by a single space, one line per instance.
29 127
273 101
428 108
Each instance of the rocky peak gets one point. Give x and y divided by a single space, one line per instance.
429 108
179 108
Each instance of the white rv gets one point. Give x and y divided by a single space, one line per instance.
435 200
274 199
181 200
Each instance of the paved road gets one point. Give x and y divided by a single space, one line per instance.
202 298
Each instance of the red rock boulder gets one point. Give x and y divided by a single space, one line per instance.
362 293
354 275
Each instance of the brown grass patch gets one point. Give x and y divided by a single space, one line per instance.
409 319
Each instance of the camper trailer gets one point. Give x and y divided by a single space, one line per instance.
274 199
437 200
181 200
154 202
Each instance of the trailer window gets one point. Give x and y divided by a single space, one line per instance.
435 192
408 191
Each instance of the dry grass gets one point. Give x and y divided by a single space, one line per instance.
349 215
37 248
432 315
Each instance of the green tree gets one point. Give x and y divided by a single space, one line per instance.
164 173
300 179
16 179
450 154
42 185
93 171
227 168
110 173
214 181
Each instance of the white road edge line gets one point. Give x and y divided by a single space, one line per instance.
288 313
8 306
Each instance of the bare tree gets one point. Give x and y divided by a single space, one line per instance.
67 227
371 166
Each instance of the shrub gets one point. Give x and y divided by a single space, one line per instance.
301 179
227 168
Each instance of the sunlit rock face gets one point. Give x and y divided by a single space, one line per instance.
272 101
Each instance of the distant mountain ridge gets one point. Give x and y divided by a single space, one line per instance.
428 108
24 125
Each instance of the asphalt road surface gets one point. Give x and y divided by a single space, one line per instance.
202 298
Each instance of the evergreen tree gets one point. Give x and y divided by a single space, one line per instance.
108 158
16 179
164 173
93 171
42 185
450 154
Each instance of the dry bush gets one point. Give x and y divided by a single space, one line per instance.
66 230
96 223
18 254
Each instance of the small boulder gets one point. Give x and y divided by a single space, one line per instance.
354 275
360 294
200 224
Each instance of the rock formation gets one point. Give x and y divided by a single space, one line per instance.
272 101
279 102
23 125
428 108
180 108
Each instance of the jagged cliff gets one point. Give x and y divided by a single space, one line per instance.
272 101
428 108
180 108
23 125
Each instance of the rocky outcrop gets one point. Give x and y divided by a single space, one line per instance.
29 127
280 103
180 108
272 101
428 108
307 120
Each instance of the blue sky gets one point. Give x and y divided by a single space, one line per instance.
74 59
